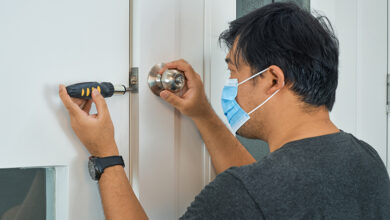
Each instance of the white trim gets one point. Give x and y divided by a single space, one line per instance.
388 71
207 165
134 99
176 114
61 192
215 20
50 183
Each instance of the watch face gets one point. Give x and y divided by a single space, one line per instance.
91 169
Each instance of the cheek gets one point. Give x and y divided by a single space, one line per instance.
244 97
232 75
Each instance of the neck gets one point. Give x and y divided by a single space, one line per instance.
300 125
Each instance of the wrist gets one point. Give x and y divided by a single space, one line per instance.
207 115
113 172
105 151
106 154
113 169
99 165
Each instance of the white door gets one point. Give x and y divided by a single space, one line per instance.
44 43
169 163
361 27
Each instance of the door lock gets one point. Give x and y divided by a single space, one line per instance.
171 79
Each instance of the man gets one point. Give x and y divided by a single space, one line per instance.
283 66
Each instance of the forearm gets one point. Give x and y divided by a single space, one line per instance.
224 148
118 198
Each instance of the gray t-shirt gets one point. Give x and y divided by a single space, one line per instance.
334 176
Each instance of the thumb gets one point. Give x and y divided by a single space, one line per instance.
101 105
171 98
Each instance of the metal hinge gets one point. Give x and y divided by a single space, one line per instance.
133 80
388 94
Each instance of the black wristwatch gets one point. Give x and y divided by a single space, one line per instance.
96 165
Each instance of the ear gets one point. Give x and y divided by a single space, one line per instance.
277 76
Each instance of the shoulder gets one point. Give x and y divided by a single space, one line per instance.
365 149
224 198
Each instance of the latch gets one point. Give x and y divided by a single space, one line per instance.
133 80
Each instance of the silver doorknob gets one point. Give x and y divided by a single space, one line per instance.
171 79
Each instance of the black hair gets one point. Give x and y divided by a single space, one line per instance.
302 45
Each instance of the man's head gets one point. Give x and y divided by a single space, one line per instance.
301 54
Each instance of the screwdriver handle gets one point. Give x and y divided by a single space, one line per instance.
84 90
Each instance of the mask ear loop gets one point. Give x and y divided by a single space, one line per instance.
252 77
266 100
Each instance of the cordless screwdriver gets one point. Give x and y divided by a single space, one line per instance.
84 90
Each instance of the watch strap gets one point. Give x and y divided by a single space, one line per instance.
105 162
101 163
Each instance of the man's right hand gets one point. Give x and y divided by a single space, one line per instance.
225 150
193 102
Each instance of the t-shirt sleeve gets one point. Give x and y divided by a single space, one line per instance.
224 198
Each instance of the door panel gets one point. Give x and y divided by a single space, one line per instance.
167 171
42 44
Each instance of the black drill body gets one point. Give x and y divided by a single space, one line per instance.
84 90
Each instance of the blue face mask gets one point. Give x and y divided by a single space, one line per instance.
235 115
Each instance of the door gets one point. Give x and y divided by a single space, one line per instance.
168 165
44 43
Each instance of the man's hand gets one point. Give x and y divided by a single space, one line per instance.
225 150
194 102
95 131
97 134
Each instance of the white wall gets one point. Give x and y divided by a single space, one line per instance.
360 108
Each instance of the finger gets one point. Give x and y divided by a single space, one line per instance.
171 98
101 105
183 91
79 102
165 65
181 65
162 69
72 107
88 106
